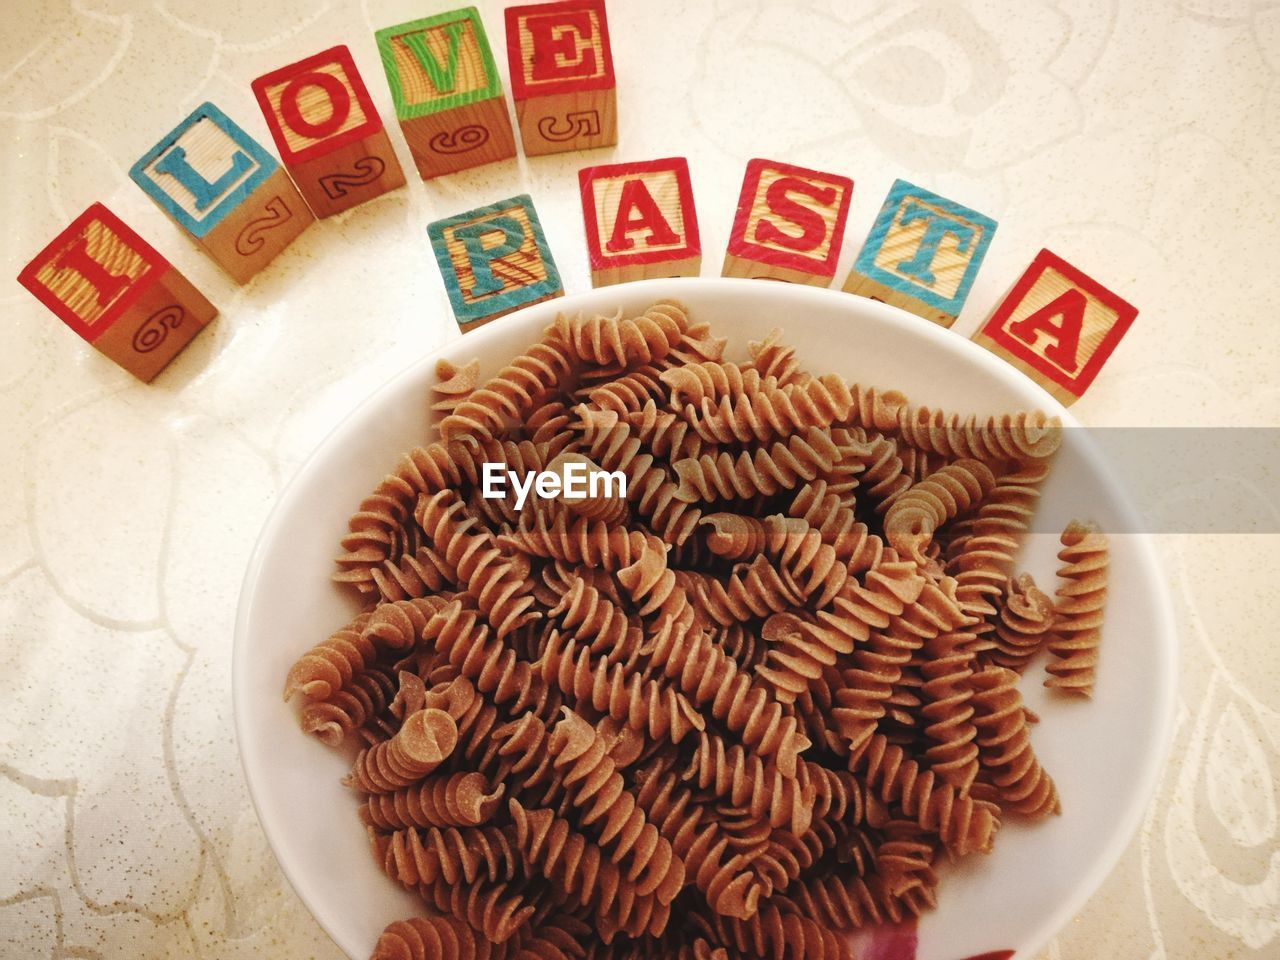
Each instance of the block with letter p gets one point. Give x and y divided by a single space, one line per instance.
447 92
113 289
562 76
789 224
328 131
494 259
1058 326
922 253
640 221
219 184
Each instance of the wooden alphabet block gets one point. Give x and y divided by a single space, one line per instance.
640 221
922 253
447 92
562 76
219 184
1058 326
112 288
789 224
328 131
494 260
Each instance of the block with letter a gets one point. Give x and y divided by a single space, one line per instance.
789 224
113 289
1058 326
494 259
922 253
219 184
562 76
640 221
447 92
328 131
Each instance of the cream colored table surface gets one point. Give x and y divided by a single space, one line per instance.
1134 138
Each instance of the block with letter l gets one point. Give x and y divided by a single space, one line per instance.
640 220
328 131
562 76
1058 326
220 185
447 92
922 253
494 259
113 289
789 224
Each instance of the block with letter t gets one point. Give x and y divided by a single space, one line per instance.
922 253
562 76
789 224
113 289
328 131
494 259
640 221
220 185
447 92
1058 326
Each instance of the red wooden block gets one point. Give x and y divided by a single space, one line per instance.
112 288
562 76
640 220
789 224
1058 326
328 131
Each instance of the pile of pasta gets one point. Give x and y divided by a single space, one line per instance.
745 709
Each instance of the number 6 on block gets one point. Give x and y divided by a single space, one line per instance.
494 259
112 288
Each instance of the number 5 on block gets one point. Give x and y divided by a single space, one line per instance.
1058 326
494 260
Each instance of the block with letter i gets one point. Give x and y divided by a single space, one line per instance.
220 185
1058 326
112 288
789 224
447 92
328 132
640 221
922 253
494 259
562 76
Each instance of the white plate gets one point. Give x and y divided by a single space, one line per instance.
1104 754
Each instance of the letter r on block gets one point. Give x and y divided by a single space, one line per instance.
494 259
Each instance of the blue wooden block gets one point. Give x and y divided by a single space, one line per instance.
494 259
203 169
922 253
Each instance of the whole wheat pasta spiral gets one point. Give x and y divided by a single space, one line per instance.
740 710
1078 609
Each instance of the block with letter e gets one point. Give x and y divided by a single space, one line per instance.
1058 326
494 259
112 288
328 131
562 76
220 185
789 224
447 92
922 253
640 221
